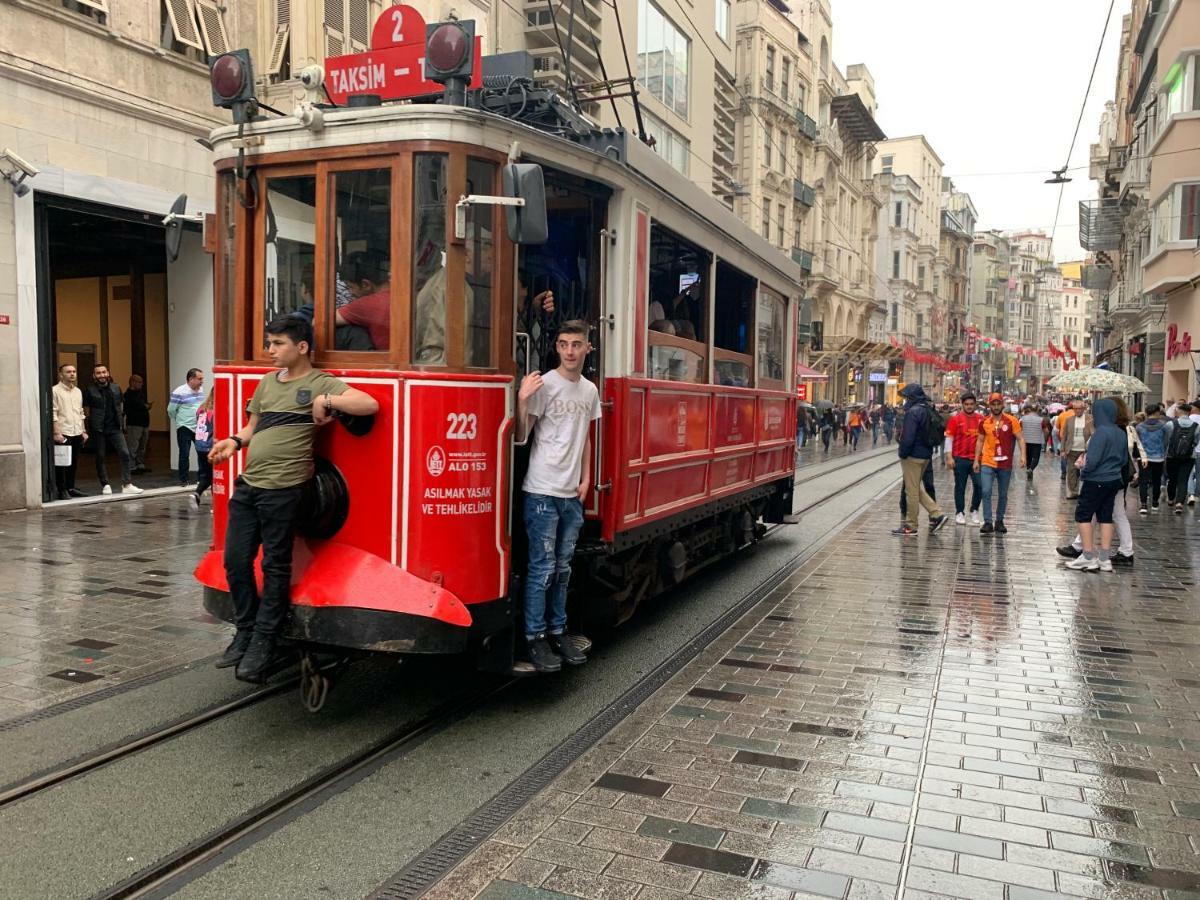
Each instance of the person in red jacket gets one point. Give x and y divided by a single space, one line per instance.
962 432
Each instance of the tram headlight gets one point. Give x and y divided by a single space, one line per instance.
449 50
231 76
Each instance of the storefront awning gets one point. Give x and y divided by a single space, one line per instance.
804 373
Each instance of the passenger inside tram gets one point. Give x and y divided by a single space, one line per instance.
367 275
429 329
678 325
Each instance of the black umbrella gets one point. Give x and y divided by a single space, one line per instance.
824 404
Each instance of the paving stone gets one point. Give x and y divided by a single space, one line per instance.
955 716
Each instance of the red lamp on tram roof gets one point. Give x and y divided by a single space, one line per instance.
450 57
231 76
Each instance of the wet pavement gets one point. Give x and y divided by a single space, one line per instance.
99 595
955 715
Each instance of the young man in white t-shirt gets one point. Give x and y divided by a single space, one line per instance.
565 404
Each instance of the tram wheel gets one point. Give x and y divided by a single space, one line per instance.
314 683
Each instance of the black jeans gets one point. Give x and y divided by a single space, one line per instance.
64 476
184 439
964 468
1033 453
1150 481
266 518
101 441
204 472
1178 471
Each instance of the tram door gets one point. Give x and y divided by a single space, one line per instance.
568 265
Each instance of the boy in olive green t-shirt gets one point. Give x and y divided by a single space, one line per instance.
287 408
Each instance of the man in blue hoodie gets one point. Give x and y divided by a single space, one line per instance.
1107 452
915 454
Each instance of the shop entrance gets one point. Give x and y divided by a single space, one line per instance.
103 293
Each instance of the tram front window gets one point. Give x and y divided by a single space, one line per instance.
361 288
429 259
289 241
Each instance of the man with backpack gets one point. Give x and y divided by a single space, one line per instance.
1182 432
923 429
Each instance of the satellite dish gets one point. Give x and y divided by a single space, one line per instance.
174 222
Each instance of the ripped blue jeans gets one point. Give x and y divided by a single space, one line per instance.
552 524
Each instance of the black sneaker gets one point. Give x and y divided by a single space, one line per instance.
564 646
935 524
1122 559
236 650
1068 551
257 660
543 658
75 492
1000 527
986 528
905 529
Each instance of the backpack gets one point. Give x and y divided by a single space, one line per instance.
935 426
1182 442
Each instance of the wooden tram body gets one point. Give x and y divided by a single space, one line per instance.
414 539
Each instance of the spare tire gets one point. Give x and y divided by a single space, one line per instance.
325 503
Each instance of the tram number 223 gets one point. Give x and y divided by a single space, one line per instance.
461 426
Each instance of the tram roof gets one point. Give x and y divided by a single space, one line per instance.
433 122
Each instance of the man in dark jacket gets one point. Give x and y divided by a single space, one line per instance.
103 406
915 454
1101 482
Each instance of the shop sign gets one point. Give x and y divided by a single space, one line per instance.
1156 367
802 391
1177 346
877 377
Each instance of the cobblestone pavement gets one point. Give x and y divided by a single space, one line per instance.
93 596
951 715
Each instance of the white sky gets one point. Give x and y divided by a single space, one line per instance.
994 88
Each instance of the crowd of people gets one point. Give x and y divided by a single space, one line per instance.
1107 456
847 423
106 419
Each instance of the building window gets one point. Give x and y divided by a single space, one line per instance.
898 217
670 144
895 263
801 95
178 31
766 221
895 316
664 58
920 325
784 78
769 77
768 137
93 9
779 227
723 20
1177 216
885 164
921 277
783 150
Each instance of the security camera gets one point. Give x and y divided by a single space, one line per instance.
18 164
312 77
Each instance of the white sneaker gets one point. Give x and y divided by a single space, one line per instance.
107 489
1083 564
132 489
1106 565
194 500
960 519
975 520
1191 499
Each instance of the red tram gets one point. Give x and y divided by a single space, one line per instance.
412 543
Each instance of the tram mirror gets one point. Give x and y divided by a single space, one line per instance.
174 224
526 224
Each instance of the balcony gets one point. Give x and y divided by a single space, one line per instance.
1117 158
1100 224
1136 174
867 187
808 125
803 193
1096 277
828 137
803 258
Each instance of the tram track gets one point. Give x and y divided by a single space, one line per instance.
219 844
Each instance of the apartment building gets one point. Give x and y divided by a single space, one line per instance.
951 275
106 98
993 306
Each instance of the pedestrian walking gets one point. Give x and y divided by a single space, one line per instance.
876 418
1152 432
889 423
922 430
1033 433
855 423
285 411
1075 428
999 437
137 423
962 434
102 402
69 430
1101 482
828 424
801 427
204 444
185 401
1182 432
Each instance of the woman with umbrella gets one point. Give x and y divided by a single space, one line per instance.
826 422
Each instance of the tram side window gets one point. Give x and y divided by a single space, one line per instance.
362 273
429 259
290 233
480 257
678 314
733 326
772 323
